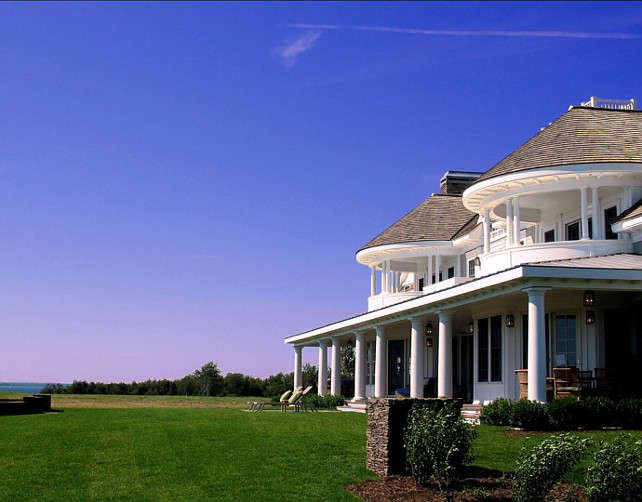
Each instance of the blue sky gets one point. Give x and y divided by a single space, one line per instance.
186 182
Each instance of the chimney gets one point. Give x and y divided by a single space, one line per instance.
455 182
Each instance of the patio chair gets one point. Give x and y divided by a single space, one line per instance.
608 382
522 378
566 382
297 401
283 402
587 383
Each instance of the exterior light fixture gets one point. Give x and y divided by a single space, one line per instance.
349 345
428 329
429 341
510 321
589 298
590 317
471 328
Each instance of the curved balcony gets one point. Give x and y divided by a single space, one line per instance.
382 300
510 257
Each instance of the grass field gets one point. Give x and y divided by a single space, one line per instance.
149 448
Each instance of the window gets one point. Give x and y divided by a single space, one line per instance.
549 236
609 215
471 268
573 231
421 284
565 340
489 349
451 272
370 363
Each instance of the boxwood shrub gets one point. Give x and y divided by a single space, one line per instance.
567 413
498 412
530 415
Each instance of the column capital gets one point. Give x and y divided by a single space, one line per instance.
380 328
419 318
358 332
444 314
324 343
537 290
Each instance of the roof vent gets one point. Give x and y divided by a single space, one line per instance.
612 104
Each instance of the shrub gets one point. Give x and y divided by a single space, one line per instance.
437 442
566 413
537 471
498 412
629 412
530 415
328 401
616 471
599 411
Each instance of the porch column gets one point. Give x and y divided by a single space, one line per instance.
381 363
584 204
444 369
373 280
298 375
322 373
458 266
430 271
597 228
486 227
517 223
509 223
418 325
335 378
437 268
536 344
360 365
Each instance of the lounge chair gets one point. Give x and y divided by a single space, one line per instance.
567 382
287 398
298 403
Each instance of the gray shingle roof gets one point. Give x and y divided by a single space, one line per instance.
580 136
621 261
632 212
438 218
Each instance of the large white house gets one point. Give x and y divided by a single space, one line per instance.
534 264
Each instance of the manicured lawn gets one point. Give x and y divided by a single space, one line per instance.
181 454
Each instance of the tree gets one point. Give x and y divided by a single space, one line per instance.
347 363
309 375
209 376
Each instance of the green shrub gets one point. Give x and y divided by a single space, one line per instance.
599 411
566 413
629 412
498 412
437 442
537 471
616 471
530 415
328 401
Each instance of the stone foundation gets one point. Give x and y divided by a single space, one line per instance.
386 423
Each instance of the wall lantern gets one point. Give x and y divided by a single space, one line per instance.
429 341
471 328
590 317
510 321
589 298
428 329
349 345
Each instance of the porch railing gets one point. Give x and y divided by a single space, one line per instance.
612 104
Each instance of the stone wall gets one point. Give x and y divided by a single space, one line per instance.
384 437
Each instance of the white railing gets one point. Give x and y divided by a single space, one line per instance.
613 104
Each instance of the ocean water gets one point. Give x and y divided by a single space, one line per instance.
25 387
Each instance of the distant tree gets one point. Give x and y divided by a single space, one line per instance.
347 363
278 384
210 378
309 375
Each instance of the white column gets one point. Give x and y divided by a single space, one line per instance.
298 375
437 267
516 222
444 369
335 378
458 266
597 227
381 363
509 223
584 204
486 226
536 344
360 366
373 280
322 373
417 356
430 271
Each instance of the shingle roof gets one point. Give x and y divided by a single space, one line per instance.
438 218
621 261
632 212
581 136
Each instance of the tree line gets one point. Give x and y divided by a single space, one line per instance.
206 381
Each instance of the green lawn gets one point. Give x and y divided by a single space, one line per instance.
180 454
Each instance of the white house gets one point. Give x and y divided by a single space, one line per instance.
535 263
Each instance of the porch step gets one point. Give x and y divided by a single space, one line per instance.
471 413
354 405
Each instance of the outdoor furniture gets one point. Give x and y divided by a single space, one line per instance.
297 400
566 382
287 398
522 378
587 383
608 382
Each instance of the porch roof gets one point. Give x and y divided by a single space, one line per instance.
620 271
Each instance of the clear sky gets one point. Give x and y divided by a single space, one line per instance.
186 182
